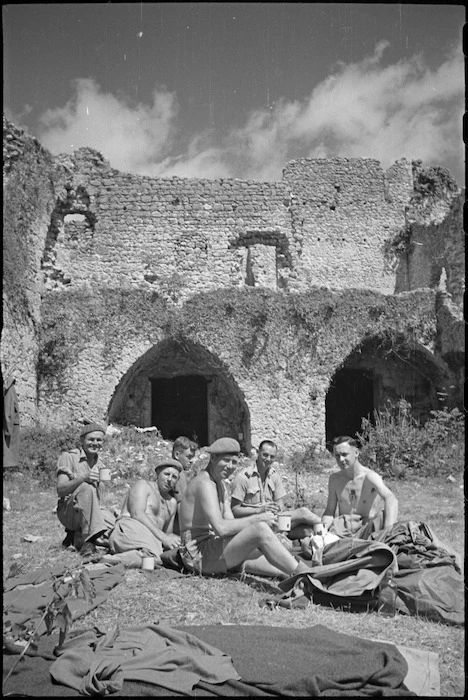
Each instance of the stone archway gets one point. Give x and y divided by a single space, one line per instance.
182 389
378 371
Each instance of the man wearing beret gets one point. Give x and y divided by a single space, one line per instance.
212 540
145 525
79 508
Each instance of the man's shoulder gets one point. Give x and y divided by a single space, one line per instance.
244 474
74 453
274 473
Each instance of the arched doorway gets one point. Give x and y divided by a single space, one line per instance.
377 371
182 389
179 406
350 398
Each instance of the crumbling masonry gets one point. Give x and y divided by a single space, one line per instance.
285 309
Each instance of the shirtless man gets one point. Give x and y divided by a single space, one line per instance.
183 450
145 524
213 541
259 488
353 491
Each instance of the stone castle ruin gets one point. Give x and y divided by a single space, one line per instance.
286 310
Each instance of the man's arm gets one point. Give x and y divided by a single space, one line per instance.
388 497
137 499
240 509
225 527
332 503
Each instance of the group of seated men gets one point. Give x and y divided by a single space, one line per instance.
220 519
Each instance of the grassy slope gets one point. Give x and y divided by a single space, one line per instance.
196 600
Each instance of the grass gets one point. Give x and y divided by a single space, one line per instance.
196 600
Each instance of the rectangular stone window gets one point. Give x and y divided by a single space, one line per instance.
261 266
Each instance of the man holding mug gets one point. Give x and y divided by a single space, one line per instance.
79 508
259 488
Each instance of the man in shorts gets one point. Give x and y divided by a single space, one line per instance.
145 524
213 541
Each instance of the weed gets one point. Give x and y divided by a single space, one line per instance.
73 583
395 444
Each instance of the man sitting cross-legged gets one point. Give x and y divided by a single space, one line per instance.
352 492
145 524
259 488
212 540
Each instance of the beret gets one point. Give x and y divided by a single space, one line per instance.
168 462
91 428
224 445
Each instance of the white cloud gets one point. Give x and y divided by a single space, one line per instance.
133 138
363 109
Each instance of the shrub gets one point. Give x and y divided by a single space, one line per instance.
395 444
40 447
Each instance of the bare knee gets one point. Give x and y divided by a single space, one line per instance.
264 533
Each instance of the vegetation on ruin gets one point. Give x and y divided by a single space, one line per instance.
432 182
258 325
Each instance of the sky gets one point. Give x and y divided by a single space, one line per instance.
216 90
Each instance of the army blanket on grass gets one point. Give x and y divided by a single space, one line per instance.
25 597
257 662
429 579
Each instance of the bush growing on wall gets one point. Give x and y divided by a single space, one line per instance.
397 445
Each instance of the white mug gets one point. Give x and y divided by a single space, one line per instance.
283 523
147 563
104 474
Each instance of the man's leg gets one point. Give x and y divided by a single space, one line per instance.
82 514
256 539
302 523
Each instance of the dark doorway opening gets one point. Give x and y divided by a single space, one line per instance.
350 398
179 407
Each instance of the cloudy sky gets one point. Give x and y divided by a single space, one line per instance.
238 89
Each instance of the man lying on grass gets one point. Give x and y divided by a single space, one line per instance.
352 491
145 524
213 541
79 509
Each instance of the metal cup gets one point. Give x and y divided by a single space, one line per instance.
283 523
104 474
147 563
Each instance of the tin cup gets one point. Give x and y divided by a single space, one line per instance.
147 563
283 523
104 474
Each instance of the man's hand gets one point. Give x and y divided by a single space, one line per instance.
172 541
92 478
268 517
273 507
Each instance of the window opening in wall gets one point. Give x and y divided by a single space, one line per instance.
350 398
179 407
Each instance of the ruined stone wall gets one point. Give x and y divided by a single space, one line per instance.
31 183
271 357
437 251
343 211
325 224
265 288
175 236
